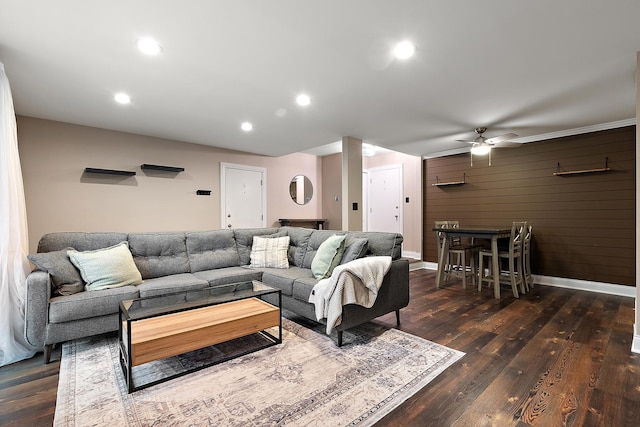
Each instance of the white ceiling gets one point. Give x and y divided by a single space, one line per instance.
529 67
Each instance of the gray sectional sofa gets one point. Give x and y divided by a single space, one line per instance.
175 261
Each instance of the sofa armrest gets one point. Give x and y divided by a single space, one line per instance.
392 296
38 293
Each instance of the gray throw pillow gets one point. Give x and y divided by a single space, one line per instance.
64 275
355 248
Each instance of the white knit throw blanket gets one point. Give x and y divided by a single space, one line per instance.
356 282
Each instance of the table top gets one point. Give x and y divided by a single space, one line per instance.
143 308
475 231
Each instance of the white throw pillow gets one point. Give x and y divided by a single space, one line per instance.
106 268
270 252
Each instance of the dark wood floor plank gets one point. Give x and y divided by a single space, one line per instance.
552 357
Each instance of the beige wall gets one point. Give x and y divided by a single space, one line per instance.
332 187
60 197
412 187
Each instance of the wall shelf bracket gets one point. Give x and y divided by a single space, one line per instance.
443 184
560 172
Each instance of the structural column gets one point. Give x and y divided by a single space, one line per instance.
351 184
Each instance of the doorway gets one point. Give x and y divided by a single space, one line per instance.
243 198
384 199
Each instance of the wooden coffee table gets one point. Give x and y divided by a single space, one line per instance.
164 326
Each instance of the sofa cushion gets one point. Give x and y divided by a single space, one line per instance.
270 252
64 275
80 241
227 275
106 268
354 248
211 249
381 243
89 304
327 256
244 241
159 254
172 283
283 279
299 240
302 288
316 239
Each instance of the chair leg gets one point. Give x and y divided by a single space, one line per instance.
521 276
512 277
463 268
339 338
397 317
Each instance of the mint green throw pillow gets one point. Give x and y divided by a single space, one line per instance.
327 257
106 268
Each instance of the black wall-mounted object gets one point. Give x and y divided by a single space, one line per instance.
354 206
161 168
203 192
109 171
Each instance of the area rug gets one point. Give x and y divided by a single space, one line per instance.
304 381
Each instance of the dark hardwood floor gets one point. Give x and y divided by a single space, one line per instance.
554 357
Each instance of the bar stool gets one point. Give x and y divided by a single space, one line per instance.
458 250
514 275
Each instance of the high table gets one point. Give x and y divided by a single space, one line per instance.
492 234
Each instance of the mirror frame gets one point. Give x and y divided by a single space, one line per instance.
307 189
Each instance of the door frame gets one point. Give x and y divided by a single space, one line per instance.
398 167
223 189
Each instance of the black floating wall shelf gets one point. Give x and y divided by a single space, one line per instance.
203 192
161 168
109 171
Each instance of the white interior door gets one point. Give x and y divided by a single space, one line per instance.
243 198
385 199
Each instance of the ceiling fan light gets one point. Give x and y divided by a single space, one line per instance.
480 149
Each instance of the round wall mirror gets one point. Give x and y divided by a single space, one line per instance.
301 189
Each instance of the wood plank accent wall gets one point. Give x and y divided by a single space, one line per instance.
583 224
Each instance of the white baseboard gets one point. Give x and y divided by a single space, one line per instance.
411 254
561 282
635 344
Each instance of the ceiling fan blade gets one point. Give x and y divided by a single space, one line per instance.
507 144
500 138
467 141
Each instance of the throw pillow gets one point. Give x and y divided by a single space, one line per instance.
355 248
106 268
65 277
270 252
328 256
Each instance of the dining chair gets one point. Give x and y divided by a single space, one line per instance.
514 275
457 251
526 257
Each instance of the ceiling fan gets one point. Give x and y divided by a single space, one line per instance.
482 146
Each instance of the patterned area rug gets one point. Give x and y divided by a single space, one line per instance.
304 381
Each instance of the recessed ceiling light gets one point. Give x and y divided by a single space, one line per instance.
303 99
246 126
122 98
404 50
149 46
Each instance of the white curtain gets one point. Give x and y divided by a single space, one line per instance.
14 243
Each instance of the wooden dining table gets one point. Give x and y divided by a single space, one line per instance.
489 233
